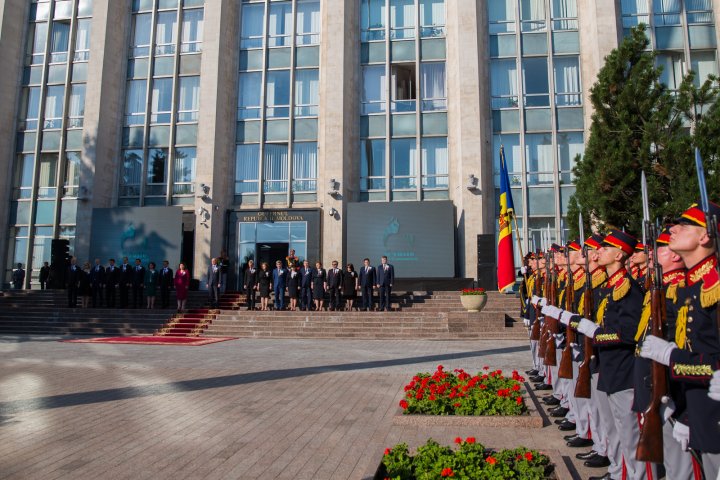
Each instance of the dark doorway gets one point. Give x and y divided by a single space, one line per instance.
188 250
271 253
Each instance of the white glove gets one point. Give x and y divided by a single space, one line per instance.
667 408
681 433
526 322
551 311
542 302
559 339
576 351
523 270
587 328
535 299
714 391
565 317
657 349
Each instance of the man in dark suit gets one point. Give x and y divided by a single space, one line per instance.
112 278
306 286
166 284
213 283
44 275
97 283
334 281
279 282
138 283
249 283
385 280
18 277
73 282
125 277
367 282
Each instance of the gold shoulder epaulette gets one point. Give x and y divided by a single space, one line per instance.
621 289
579 283
710 292
671 292
598 278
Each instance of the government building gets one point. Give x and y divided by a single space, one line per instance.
342 129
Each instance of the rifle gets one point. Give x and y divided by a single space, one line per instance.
650 445
582 387
550 357
542 341
535 332
565 370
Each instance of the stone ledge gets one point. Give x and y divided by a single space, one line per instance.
532 420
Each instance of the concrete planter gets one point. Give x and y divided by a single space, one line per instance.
473 303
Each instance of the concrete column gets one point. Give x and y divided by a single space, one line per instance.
469 131
600 28
13 25
338 151
104 110
716 16
216 129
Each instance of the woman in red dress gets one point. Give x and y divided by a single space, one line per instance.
182 282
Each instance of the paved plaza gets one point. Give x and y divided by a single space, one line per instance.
242 409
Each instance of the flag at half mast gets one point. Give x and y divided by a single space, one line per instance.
505 261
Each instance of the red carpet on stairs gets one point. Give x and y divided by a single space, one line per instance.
155 340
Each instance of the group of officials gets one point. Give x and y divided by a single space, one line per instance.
308 287
610 413
111 285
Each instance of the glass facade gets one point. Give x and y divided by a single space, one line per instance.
537 111
276 159
403 123
46 172
162 99
682 33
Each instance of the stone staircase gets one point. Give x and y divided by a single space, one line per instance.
414 315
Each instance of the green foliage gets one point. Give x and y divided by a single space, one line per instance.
471 461
639 125
459 393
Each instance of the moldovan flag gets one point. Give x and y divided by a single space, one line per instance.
505 261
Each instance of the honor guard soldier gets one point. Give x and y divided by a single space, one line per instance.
694 353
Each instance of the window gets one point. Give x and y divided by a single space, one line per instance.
503 83
247 164
432 79
278 94
372 164
82 42
184 171
76 108
403 87
532 15
161 100
699 11
308 22
306 93
275 168
131 173
31 107
535 82
402 19
564 15
54 106
672 69
72 174
372 20
432 18
251 26
165 33
59 42
47 175
434 162
305 167
502 16
539 158
403 163
570 145
188 99
666 12
24 176
142 25
634 13
157 171
192 31
280 24
135 102
567 81
39 39
374 87
703 64
249 89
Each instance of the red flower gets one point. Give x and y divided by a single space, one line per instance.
419 396
528 456
516 387
519 400
486 367
491 460
457 404
458 440
403 404
470 440
387 451
447 472
483 386
431 397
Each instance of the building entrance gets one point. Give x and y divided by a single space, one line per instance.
271 253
